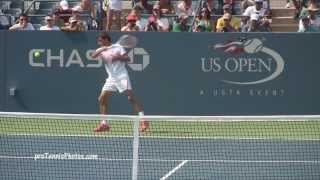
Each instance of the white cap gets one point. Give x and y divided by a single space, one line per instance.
254 16
258 1
64 4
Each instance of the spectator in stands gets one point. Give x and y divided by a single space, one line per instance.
74 26
211 6
199 28
50 26
260 11
254 23
141 23
152 24
180 25
63 13
247 3
166 7
227 27
88 6
306 6
295 3
245 25
131 24
185 7
204 20
312 12
231 3
113 10
162 23
22 25
313 18
235 22
142 4
256 9
4 21
298 5
307 26
82 24
258 24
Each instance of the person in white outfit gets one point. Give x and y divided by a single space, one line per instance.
113 9
114 58
23 24
49 25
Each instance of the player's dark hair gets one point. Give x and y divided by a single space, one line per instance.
23 15
105 35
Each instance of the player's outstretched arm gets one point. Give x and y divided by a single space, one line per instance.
119 57
98 51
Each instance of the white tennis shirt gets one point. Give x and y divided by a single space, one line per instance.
115 68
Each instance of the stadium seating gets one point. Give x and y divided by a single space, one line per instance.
13 11
37 26
37 9
40 8
47 4
36 19
43 11
17 4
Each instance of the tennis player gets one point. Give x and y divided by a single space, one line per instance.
114 58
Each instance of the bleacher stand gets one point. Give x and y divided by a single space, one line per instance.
38 9
9 11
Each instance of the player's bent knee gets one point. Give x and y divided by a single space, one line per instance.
102 99
131 99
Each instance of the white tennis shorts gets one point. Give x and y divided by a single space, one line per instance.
117 84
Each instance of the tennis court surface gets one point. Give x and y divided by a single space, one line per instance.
55 146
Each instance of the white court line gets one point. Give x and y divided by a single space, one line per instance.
177 160
174 170
66 135
157 137
95 117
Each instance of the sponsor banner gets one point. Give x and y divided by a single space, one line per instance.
171 73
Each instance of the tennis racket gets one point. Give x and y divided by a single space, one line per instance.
127 41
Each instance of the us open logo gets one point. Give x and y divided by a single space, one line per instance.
246 62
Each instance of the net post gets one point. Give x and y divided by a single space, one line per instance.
135 151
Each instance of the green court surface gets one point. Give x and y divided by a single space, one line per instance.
162 128
170 149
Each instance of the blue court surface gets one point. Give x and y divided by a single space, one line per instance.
159 158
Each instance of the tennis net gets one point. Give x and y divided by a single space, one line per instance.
62 146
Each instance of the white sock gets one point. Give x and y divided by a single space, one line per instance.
103 122
141 113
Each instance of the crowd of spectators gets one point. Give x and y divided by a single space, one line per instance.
62 17
204 19
165 16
